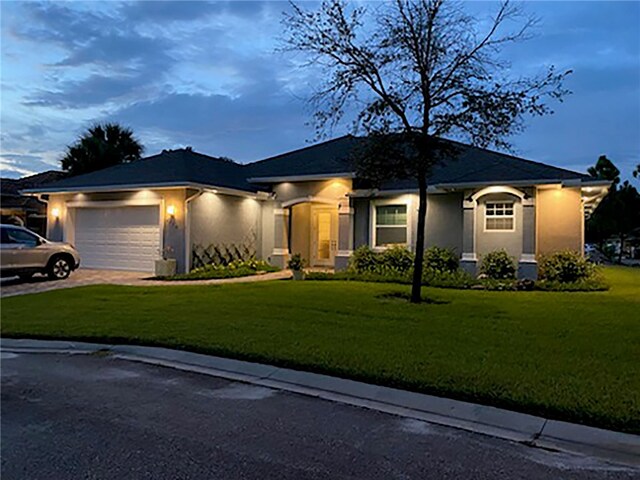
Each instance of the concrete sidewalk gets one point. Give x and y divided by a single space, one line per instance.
83 277
528 429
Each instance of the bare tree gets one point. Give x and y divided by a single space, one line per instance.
414 72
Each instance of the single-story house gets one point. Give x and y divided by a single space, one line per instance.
189 206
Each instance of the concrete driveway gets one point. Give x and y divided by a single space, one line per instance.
90 416
14 286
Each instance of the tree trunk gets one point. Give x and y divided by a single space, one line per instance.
416 286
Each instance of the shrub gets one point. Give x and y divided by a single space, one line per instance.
363 259
296 262
396 259
565 267
438 259
447 279
498 265
593 284
235 268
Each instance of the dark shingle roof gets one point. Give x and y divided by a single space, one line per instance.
472 165
171 167
12 186
326 158
179 167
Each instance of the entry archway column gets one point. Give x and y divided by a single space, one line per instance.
345 235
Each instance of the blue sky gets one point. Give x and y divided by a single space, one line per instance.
208 75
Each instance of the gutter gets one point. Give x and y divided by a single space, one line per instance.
133 186
445 187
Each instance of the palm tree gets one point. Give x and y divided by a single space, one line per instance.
101 146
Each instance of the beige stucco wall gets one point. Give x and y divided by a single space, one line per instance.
225 220
559 220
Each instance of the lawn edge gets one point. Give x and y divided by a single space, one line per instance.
535 409
496 422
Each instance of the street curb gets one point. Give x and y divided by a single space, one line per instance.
514 426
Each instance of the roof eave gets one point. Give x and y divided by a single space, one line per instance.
445 187
139 186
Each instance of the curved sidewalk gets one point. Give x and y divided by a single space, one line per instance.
84 277
528 429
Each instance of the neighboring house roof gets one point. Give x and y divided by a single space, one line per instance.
182 167
333 158
12 186
10 189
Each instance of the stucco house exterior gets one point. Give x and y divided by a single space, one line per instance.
185 205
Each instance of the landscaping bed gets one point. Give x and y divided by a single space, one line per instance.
572 357
566 271
233 269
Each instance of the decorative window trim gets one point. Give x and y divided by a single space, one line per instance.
373 204
512 216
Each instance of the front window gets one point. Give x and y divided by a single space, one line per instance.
499 216
390 225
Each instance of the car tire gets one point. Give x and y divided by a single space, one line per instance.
59 268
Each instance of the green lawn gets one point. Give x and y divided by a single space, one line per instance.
573 356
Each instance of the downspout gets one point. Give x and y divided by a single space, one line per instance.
187 233
40 197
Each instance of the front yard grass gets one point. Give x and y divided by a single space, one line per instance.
571 356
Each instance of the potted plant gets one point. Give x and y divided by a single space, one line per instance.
296 265
166 266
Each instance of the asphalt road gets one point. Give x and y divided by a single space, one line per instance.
70 417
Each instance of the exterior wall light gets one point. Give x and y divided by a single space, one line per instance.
171 210
55 212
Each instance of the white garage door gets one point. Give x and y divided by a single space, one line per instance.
123 238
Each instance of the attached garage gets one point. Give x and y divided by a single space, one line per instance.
118 238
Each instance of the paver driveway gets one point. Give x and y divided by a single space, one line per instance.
83 276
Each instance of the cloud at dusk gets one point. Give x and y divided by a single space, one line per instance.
209 75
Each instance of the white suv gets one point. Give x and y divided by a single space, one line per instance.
23 253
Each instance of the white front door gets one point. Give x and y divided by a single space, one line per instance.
118 238
324 236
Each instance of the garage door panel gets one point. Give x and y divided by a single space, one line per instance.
123 238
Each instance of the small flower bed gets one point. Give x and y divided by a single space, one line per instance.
235 268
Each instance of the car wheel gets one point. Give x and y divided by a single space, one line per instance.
59 269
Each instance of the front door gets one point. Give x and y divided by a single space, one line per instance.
324 236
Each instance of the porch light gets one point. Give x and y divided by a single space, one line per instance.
55 212
171 210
